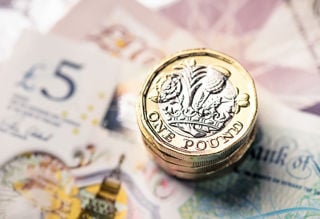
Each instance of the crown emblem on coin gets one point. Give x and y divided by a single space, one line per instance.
199 100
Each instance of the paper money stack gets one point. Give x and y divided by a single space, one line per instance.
70 143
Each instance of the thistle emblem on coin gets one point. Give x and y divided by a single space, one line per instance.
199 100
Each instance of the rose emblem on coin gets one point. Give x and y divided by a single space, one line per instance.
199 100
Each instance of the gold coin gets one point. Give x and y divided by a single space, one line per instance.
205 168
198 106
229 162
196 163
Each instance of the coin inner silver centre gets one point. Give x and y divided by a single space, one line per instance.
197 100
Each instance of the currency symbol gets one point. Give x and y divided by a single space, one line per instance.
27 82
60 74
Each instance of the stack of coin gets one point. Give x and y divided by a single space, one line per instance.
197 113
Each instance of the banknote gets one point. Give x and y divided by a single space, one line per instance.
277 41
61 174
279 178
53 93
125 29
120 28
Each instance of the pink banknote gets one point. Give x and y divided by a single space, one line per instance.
125 29
277 41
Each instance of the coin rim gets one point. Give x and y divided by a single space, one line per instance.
233 160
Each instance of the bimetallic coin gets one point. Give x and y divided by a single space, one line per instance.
198 106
